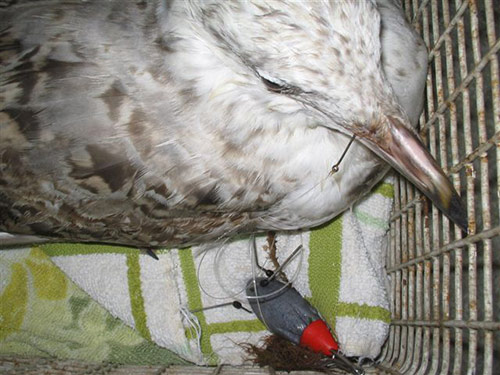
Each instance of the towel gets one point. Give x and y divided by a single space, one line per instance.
44 314
340 271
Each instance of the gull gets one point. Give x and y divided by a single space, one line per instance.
173 123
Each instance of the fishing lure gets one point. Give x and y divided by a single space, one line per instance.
287 314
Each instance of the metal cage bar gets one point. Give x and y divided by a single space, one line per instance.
445 308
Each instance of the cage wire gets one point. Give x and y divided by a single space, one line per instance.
444 303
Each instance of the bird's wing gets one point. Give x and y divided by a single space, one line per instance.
80 150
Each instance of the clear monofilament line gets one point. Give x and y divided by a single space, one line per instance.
285 285
228 294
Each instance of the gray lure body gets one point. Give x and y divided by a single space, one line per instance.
282 309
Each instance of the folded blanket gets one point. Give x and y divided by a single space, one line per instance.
340 271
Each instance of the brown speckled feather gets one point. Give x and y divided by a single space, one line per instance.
123 123
75 144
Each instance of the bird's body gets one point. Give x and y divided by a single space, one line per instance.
178 122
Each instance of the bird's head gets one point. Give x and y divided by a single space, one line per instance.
323 58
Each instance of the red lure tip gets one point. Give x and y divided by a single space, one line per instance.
318 338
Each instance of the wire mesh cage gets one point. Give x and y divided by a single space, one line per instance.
445 307
444 304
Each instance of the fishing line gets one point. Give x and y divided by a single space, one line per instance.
258 297
333 169
266 216
252 252
220 278
269 278
228 294
193 324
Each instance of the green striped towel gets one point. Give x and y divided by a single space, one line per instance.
44 314
340 271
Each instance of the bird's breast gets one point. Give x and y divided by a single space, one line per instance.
295 169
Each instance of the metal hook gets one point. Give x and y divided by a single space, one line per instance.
335 167
271 275
236 304
283 265
345 364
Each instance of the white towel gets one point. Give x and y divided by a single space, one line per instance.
340 271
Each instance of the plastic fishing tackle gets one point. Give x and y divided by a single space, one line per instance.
287 314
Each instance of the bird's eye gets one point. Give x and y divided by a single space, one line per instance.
273 86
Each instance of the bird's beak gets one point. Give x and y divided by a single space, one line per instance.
402 149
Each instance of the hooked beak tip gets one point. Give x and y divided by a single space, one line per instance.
401 148
457 213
